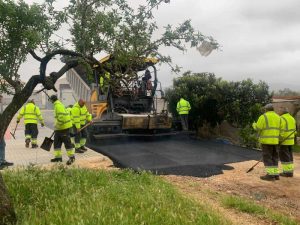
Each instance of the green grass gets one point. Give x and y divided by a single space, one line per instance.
82 196
296 148
251 207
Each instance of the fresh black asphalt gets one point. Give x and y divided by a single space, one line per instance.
178 155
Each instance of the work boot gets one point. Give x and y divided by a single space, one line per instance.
277 177
286 174
84 149
71 160
27 141
268 177
5 164
56 160
34 146
79 150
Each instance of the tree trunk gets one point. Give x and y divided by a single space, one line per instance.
7 213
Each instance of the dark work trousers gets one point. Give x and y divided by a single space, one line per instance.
77 137
270 155
184 121
31 130
286 153
62 136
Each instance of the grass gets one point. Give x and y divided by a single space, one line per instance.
296 148
251 207
82 196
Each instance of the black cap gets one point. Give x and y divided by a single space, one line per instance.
53 98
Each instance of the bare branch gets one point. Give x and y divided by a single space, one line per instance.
35 56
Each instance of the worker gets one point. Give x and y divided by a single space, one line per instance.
287 136
104 82
72 132
62 127
31 114
268 128
183 108
85 118
80 116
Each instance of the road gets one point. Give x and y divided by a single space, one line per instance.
178 155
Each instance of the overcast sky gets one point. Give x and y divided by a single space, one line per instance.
260 40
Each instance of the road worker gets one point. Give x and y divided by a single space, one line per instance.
104 83
62 127
268 128
183 108
80 116
32 115
287 136
72 132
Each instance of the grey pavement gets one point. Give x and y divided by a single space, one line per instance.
17 153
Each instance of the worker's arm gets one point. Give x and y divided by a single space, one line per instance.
189 106
178 107
21 114
39 116
88 117
260 124
76 117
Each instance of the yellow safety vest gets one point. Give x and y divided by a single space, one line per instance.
75 111
104 81
69 111
85 116
268 127
62 117
288 126
31 114
183 107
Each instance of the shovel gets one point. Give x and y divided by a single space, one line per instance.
47 143
13 134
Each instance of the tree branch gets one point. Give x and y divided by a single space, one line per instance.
35 56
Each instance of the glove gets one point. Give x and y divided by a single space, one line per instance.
77 130
42 124
18 121
91 122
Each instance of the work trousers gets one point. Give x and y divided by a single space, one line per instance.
286 158
184 121
63 137
270 159
31 132
79 138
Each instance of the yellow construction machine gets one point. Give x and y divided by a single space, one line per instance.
124 101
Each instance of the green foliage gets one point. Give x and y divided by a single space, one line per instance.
22 27
81 196
213 99
248 137
251 207
296 148
115 27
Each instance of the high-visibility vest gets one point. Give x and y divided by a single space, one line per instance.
85 116
31 114
288 129
75 111
268 127
183 107
69 111
105 81
62 117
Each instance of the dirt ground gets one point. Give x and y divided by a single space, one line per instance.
282 195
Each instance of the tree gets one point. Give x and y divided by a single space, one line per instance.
213 99
97 26
286 92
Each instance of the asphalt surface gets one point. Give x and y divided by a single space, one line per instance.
178 155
